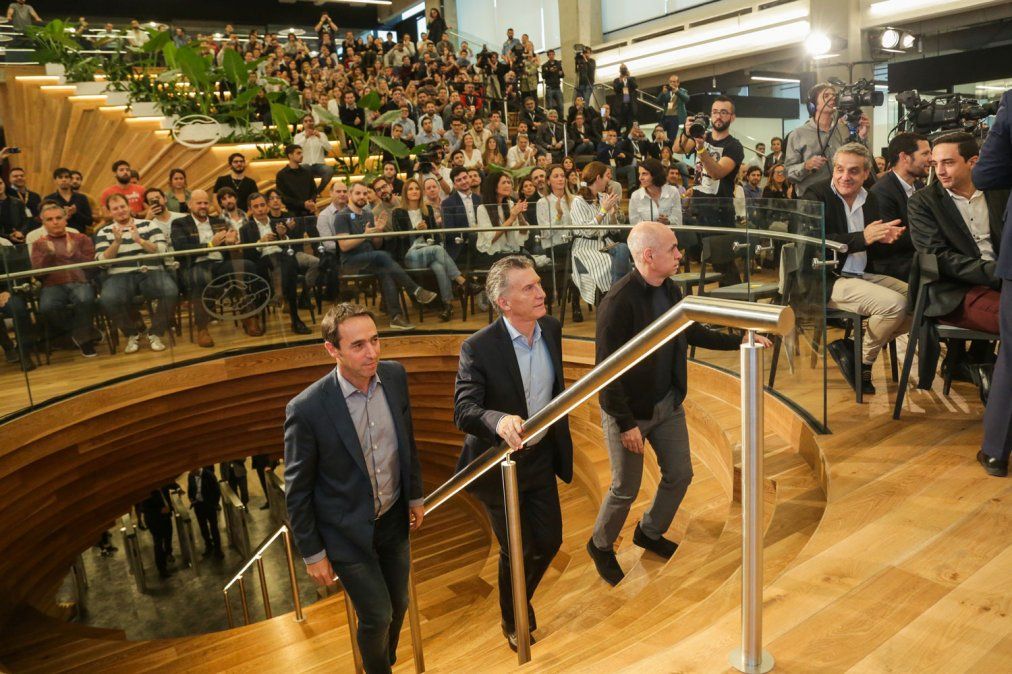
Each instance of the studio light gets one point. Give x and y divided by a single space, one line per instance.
818 44
890 38
894 40
908 41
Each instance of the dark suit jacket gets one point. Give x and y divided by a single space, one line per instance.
994 172
937 227
896 259
606 152
836 224
327 486
210 491
601 124
543 138
771 159
186 237
489 385
454 216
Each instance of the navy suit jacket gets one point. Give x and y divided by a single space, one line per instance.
489 384
327 486
454 216
994 172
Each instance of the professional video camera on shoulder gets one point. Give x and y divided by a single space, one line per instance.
850 98
942 114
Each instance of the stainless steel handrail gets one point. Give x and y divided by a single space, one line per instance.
729 313
151 257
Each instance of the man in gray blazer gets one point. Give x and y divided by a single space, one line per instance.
353 483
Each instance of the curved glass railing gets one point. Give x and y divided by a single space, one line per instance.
74 319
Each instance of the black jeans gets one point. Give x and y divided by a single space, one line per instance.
207 520
288 267
379 590
161 534
391 275
541 530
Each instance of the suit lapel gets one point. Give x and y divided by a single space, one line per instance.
509 356
337 410
953 215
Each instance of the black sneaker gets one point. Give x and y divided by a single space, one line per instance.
87 349
606 563
993 466
866 385
659 546
11 355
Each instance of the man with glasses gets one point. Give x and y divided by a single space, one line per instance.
811 146
236 179
718 157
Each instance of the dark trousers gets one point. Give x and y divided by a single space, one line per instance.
161 533
671 125
207 520
998 414
390 274
378 590
200 275
541 530
16 310
69 307
288 267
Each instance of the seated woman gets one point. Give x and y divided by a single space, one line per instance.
498 210
592 264
425 250
655 200
555 224
472 155
491 154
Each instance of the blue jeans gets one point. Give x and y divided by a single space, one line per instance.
621 261
378 590
69 306
553 100
324 173
436 258
587 91
390 274
119 291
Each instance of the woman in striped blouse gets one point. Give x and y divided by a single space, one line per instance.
592 266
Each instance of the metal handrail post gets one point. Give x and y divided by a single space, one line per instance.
228 609
415 622
244 601
751 658
518 580
565 139
296 600
356 654
263 588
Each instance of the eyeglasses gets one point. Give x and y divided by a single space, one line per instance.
720 113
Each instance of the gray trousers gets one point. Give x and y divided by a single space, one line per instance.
669 438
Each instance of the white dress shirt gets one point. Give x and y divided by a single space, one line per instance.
856 262
977 219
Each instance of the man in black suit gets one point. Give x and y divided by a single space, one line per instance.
909 154
852 217
604 122
205 494
353 482
776 155
551 139
460 211
993 171
199 230
157 513
508 371
582 135
618 155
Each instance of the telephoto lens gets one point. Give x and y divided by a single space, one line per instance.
700 124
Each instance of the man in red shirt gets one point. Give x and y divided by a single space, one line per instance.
133 192
67 301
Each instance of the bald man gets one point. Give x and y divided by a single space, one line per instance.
645 404
199 230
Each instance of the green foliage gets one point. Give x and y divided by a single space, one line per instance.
516 174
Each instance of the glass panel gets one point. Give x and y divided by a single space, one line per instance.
15 330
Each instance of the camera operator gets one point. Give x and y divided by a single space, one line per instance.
993 171
586 72
811 146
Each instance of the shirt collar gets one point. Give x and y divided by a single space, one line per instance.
907 187
515 334
858 200
348 389
976 195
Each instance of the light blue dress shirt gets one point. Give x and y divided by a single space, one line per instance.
536 370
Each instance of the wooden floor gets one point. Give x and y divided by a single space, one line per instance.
887 549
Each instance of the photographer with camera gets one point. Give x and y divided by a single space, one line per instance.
811 146
586 73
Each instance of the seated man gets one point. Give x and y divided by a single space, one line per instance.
618 156
582 135
67 300
315 150
228 207
272 258
523 154
125 237
851 215
360 255
551 139
962 226
199 230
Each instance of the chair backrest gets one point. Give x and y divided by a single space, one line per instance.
927 265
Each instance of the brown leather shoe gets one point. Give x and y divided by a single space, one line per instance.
251 326
204 339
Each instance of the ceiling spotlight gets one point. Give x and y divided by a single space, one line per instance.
890 38
908 41
818 44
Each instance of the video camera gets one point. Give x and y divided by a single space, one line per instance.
950 112
850 98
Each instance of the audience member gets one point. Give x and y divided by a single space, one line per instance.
14 218
295 184
205 497
655 200
178 196
75 204
134 193
591 268
31 201
236 179
673 99
498 210
910 157
315 150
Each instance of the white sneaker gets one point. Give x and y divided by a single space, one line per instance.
155 342
132 344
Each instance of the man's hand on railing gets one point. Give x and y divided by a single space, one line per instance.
415 516
632 440
510 428
321 572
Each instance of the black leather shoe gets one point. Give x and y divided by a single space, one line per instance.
844 359
300 328
866 385
981 374
577 315
659 546
993 466
446 314
606 563
511 636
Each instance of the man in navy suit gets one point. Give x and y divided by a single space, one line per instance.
460 210
353 484
993 171
508 371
